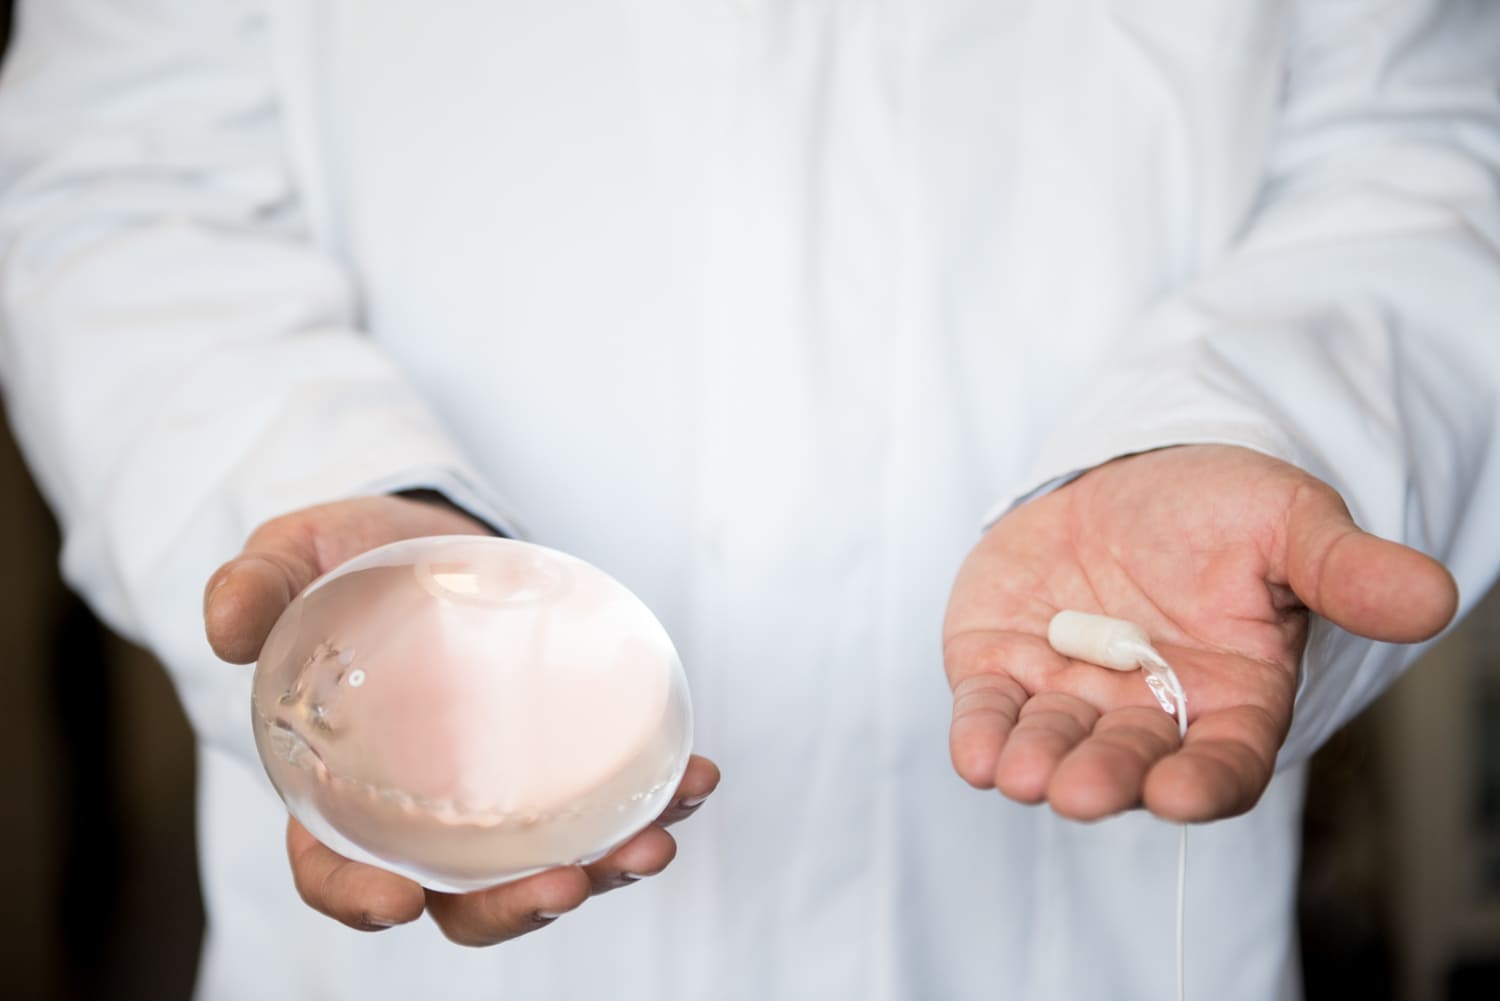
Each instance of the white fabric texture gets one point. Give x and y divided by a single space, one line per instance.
760 305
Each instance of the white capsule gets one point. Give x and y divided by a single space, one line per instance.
1099 639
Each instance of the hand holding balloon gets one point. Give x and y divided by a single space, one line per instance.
246 598
464 710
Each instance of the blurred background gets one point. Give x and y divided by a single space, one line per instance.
1400 886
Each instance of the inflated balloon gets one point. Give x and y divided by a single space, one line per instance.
466 710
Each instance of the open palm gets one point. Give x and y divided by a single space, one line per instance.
1219 553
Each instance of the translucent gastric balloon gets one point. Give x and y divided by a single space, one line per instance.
468 710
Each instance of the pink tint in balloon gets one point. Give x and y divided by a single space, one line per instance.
467 710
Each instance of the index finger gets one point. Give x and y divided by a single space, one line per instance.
1222 769
360 896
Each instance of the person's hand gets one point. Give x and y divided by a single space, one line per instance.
1218 553
242 602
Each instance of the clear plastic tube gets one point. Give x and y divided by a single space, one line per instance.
1121 646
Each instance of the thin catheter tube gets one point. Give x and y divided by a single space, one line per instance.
1121 645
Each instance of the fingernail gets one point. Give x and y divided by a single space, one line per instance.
546 917
631 877
692 802
374 922
217 585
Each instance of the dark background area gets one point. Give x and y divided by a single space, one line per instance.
96 769
1399 897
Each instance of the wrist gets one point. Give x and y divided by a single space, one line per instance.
436 498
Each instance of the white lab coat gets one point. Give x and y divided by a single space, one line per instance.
760 305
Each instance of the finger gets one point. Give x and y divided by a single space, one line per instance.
359 896
510 910
1222 769
986 708
1050 725
992 673
646 854
698 782
246 597
1106 773
1362 583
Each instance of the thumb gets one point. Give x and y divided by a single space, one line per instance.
246 596
1360 582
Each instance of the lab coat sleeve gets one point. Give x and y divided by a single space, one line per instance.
1354 327
179 362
